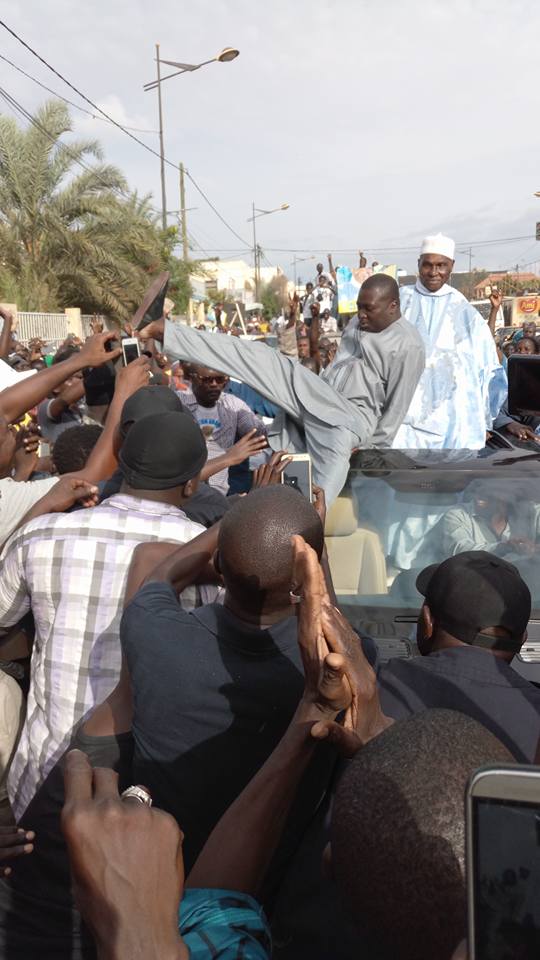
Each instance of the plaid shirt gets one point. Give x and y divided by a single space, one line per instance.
223 925
71 570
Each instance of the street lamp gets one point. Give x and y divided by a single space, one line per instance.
226 55
255 215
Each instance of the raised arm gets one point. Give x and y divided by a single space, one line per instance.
5 336
331 268
21 397
103 461
495 300
315 335
337 677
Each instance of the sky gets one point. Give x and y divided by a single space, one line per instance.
377 121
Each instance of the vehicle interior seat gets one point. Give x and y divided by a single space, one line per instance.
355 553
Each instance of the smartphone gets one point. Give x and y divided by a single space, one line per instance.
130 349
487 290
44 449
524 385
297 474
503 863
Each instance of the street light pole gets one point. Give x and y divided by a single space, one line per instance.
226 55
161 145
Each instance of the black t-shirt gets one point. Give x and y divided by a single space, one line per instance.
212 698
38 918
206 506
472 681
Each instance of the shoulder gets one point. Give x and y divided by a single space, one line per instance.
21 495
231 402
409 334
155 599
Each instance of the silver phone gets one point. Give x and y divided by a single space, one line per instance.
297 474
131 349
503 863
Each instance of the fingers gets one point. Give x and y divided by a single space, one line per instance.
334 686
77 777
345 741
105 784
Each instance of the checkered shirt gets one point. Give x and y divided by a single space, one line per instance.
71 570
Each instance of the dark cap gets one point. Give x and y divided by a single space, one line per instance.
163 451
147 401
475 590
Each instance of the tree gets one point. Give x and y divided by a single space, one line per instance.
71 237
274 296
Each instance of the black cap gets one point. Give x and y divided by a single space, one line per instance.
163 451
147 401
475 590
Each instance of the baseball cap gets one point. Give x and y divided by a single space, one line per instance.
475 590
163 451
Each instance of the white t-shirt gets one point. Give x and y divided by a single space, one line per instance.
16 499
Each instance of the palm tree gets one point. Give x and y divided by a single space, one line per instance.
70 236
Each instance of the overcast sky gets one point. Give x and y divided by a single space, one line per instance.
378 121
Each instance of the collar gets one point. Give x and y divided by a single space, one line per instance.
443 292
127 503
278 638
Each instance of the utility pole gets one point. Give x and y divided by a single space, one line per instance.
294 268
161 146
255 254
185 248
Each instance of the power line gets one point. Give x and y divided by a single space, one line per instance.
116 124
211 205
60 97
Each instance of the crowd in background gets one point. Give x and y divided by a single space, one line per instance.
200 756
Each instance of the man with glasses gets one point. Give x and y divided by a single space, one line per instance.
222 417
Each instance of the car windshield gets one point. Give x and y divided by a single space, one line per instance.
397 515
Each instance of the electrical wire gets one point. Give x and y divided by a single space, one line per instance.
119 125
69 102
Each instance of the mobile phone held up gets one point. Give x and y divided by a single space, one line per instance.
503 863
297 474
130 350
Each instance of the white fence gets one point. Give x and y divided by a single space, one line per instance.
51 327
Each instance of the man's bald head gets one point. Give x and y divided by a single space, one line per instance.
378 303
255 550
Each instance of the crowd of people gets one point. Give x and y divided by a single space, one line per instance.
200 756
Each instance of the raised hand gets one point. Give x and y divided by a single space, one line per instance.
93 352
338 676
496 299
248 445
133 377
153 331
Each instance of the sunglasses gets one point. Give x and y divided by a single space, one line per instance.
220 381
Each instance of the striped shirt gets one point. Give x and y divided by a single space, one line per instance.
71 570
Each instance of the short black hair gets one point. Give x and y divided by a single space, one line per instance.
64 353
73 447
255 550
398 832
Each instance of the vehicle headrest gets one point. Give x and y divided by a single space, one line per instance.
341 519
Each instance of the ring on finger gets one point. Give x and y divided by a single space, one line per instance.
141 794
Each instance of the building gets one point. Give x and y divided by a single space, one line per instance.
235 277
504 282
